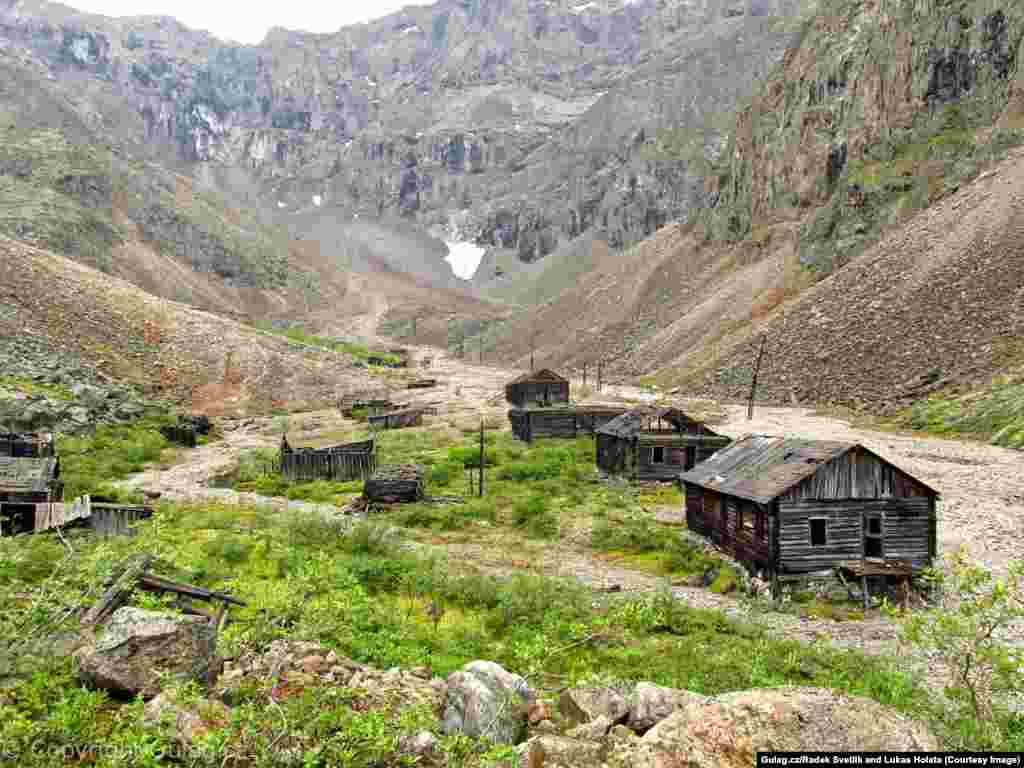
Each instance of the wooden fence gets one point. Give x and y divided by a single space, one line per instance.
354 461
104 519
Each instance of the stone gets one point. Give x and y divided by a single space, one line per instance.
595 730
538 711
189 723
649 704
138 647
312 664
485 700
561 752
546 726
583 704
728 731
621 733
419 744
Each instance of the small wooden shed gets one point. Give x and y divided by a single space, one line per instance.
655 444
411 417
27 484
789 505
537 388
567 421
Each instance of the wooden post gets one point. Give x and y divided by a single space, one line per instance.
599 375
753 384
481 484
864 589
584 374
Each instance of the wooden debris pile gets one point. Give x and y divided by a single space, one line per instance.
135 574
396 483
421 384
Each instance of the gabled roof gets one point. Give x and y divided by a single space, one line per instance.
761 467
544 374
26 475
631 423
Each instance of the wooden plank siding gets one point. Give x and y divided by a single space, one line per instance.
569 422
857 474
306 466
906 526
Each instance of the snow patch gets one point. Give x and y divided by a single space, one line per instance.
584 7
317 200
464 258
281 205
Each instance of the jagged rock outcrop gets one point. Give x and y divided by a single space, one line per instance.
451 114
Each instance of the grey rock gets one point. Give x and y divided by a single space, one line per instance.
584 704
485 700
649 704
420 744
189 723
138 648
595 730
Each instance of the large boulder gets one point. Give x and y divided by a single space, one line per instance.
560 752
139 649
730 730
649 704
485 700
585 703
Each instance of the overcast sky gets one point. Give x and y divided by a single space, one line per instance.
248 22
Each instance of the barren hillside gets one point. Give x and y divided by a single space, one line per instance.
168 348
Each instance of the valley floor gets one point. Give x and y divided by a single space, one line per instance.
982 491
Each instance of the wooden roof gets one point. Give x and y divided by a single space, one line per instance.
23 475
632 422
545 375
761 468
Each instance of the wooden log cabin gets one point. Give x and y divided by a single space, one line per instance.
654 444
565 421
538 388
411 417
28 484
794 506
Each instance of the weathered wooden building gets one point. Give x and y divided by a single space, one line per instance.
27 485
27 445
349 461
567 421
791 506
655 444
411 417
537 388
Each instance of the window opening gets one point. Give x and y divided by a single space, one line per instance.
819 532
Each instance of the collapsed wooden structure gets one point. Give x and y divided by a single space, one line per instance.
29 480
410 417
794 506
372 402
563 421
421 384
538 388
393 358
186 430
395 483
348 461
655 444
104 518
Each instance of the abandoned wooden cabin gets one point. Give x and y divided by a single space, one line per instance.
567 421
794 506
27 445
538 388
412 417
349 461
654 444
27 484
395 483
371 403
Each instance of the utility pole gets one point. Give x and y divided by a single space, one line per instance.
481 483
753 384
481 346
584 374
599 361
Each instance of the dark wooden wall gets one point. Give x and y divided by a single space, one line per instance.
538 393
302 466
857 474
906 525
614 454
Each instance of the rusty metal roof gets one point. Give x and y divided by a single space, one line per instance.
631 423
544 374
22 475
761 467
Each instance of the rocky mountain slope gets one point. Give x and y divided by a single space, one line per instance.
53 309
512 123
851 171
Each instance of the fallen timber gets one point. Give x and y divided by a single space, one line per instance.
136 575
421 384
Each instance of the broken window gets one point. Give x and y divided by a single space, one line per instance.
747 519
819 532
658 455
